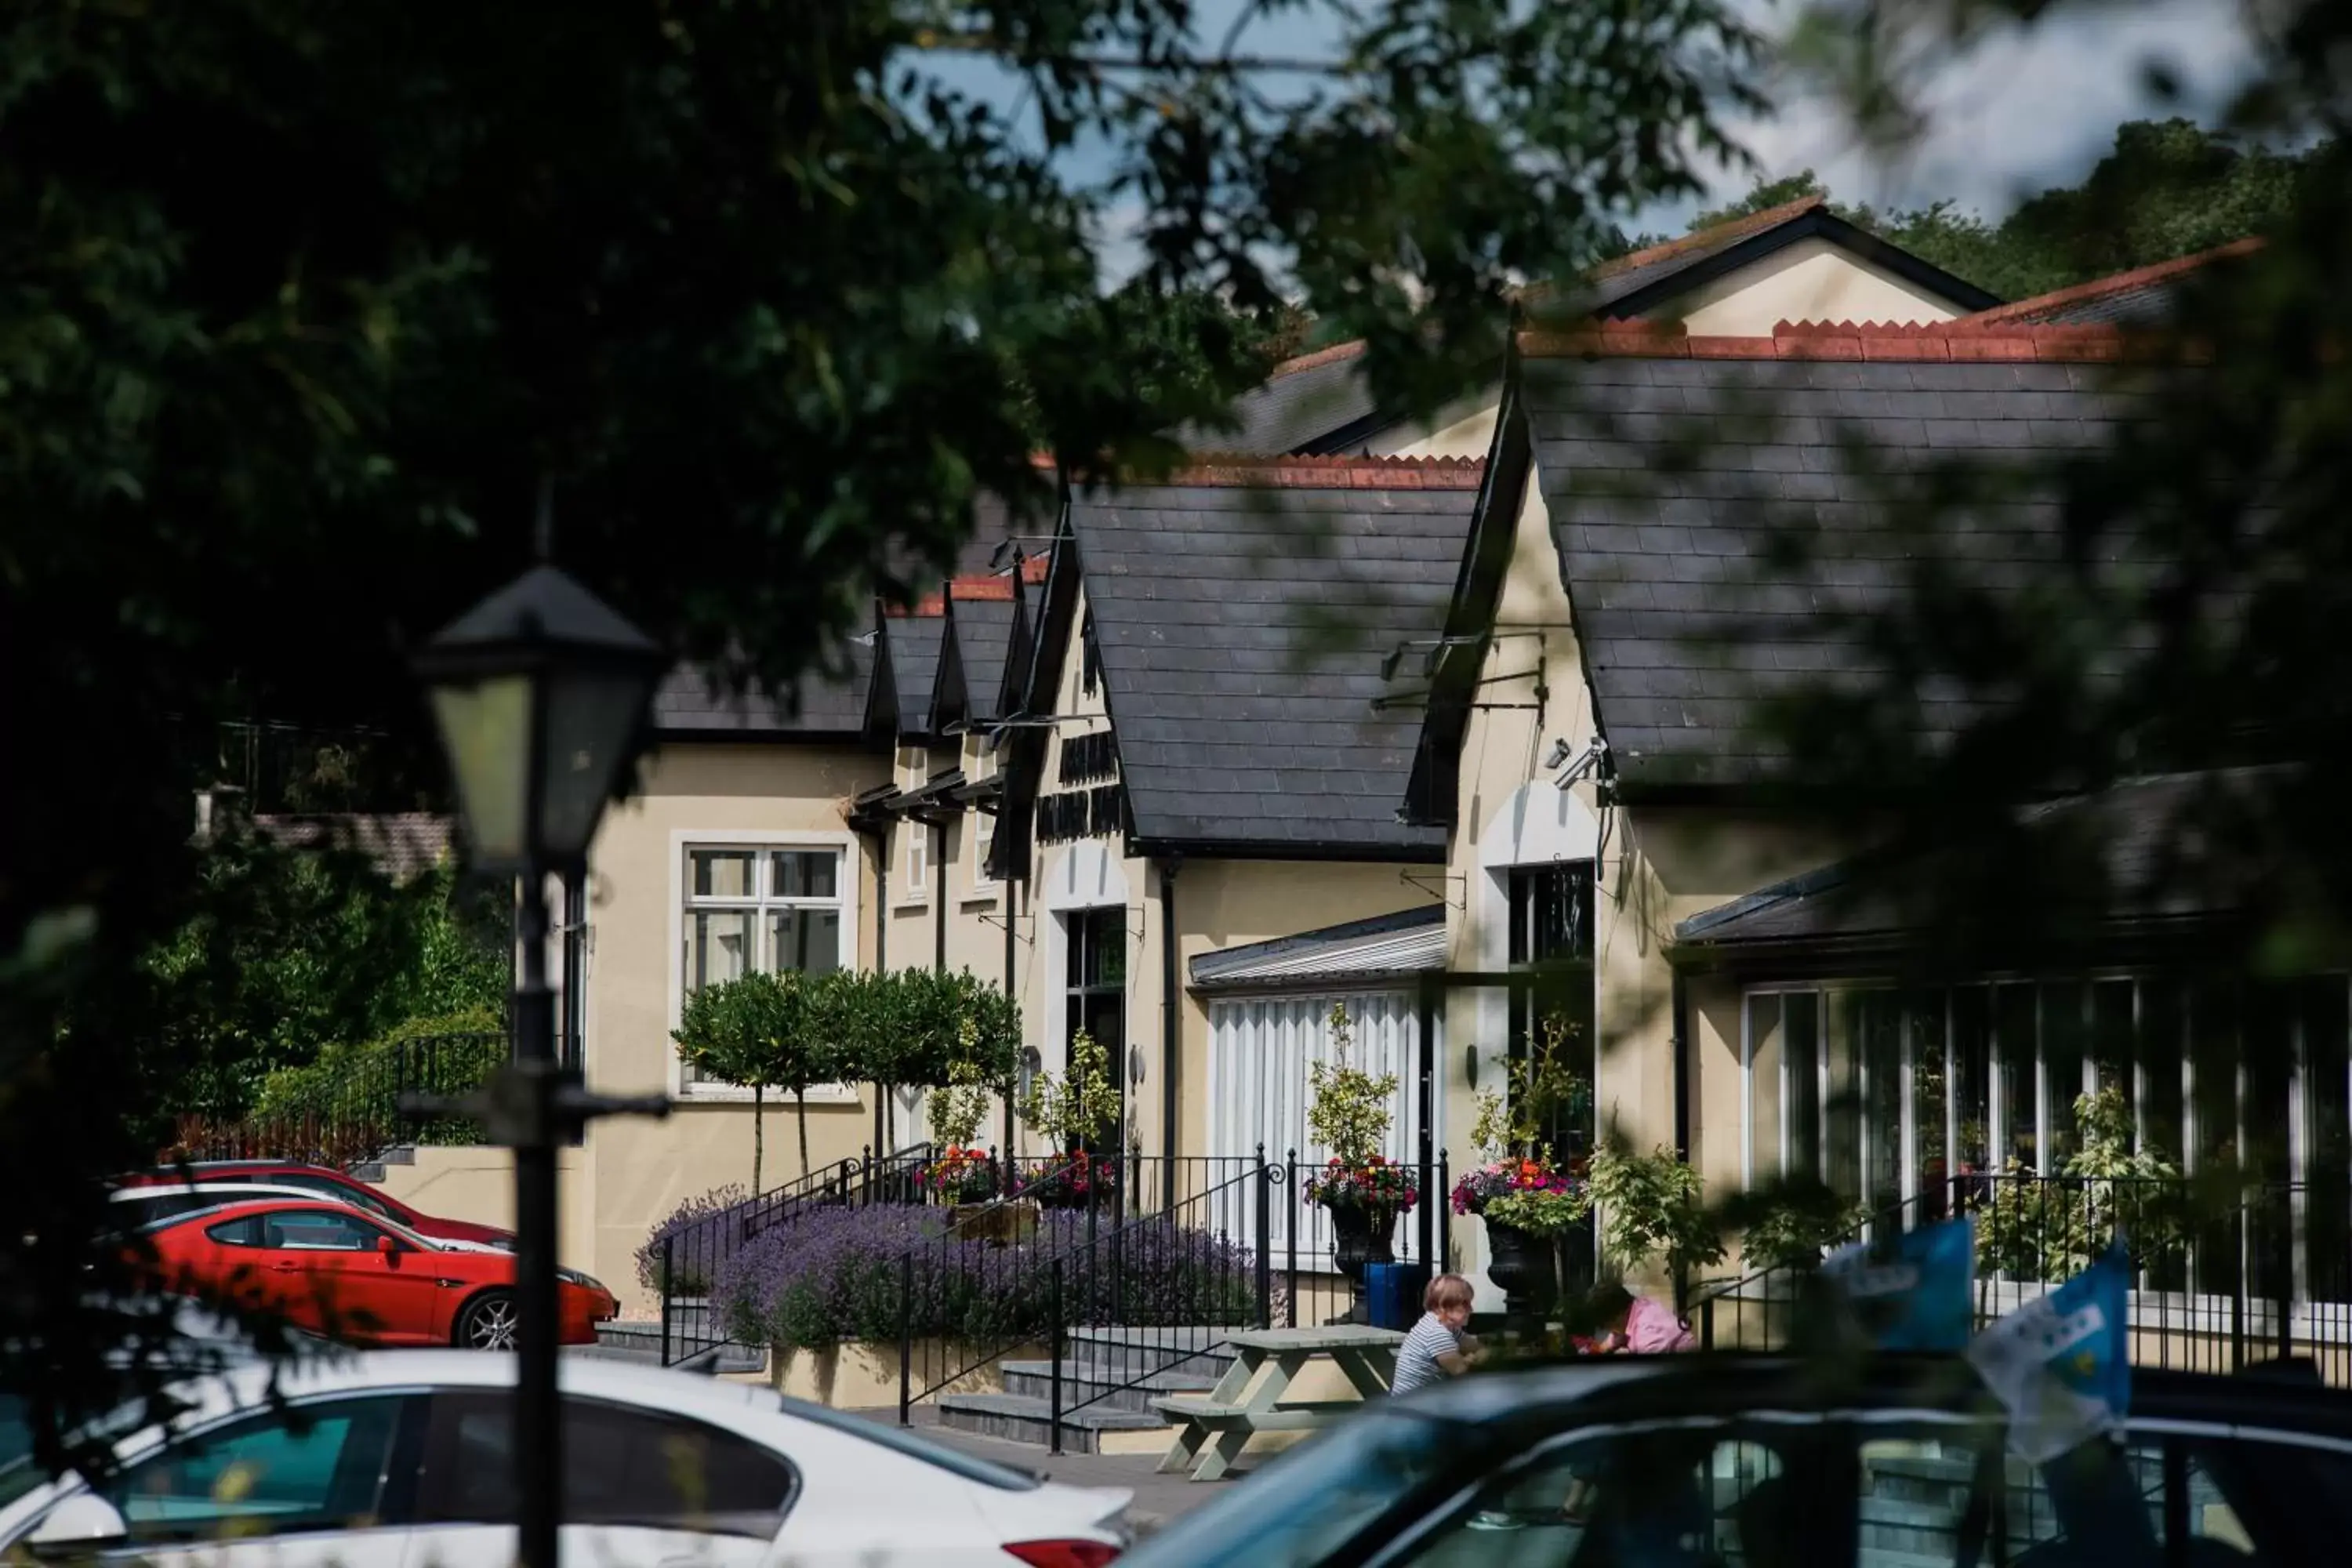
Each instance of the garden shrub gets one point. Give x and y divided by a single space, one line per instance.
834 1274
698 1242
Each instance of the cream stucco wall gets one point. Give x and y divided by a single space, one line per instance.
634 1171
1654 867
1811 280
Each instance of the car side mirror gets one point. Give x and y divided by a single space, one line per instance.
388 1248
82 1523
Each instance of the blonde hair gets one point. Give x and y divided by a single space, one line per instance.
1447 1290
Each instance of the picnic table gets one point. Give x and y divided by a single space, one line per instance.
1249 1398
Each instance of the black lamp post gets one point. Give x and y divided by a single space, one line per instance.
539 692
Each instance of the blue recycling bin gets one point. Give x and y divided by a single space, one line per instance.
1392 1293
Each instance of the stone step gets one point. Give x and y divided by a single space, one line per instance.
642 1342
399 1154
1087 1383
1020 1418
1131 1352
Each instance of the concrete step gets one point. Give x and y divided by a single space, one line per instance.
642 1342
1126 1352
1087 1384
401 1154
1019 1418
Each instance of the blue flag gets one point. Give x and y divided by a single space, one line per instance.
1913 1293
2061 1364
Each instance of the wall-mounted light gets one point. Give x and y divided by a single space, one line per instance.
1470 1065
1135 1064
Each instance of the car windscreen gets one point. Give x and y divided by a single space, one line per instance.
1801 1489
915 1446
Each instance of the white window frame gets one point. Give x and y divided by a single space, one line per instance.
683 839
915 862
977 844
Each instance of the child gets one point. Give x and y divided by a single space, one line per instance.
1622 1321
1437 1348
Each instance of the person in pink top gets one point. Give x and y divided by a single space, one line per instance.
1636 1325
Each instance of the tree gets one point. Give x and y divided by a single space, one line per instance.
299 305
755 1031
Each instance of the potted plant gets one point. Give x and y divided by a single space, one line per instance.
1525 1198
1655 1203
1350 1115
1079 1115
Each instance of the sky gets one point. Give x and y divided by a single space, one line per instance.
2025 109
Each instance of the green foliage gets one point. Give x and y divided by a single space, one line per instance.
1080 1111
958 1107
1351 1110
1653 1204
293 953
1541 1210
918 1027
759 1032
1538 1089
2040 1230
1789 1224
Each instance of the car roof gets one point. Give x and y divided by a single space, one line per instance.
2284 1395
309 1203
217 1167
331 1372
233 1192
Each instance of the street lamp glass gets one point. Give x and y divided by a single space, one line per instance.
486 728
591 721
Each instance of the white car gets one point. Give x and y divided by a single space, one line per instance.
404 1460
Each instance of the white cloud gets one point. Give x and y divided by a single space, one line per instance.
2027 108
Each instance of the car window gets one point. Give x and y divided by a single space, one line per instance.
1312 1500
915 1446
243 1231
621 1466
306 1468
317 1230
328 1187
146 1210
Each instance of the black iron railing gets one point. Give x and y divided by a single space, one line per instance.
2224 1275
686 1255
350 1115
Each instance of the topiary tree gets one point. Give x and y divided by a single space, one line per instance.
756 1032
1651 1204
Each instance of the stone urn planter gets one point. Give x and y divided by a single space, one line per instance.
1361 1236
1525 1264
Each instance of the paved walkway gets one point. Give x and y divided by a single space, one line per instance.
1157 1497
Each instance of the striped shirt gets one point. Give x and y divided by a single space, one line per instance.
1416 1361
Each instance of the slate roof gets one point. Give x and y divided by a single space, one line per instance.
2154 864
1631 273
686 704
1242 614
1672 475
915 643
2143 296
1384 946
1303 405
983 639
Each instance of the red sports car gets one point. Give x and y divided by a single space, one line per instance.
357 1276
327 1183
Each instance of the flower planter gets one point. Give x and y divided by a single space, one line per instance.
1002 1224
1360 1236
1525 1264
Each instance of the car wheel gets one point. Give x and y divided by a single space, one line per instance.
488 1324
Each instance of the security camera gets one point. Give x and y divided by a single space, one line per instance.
1587 762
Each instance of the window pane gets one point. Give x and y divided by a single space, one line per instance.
2113 1025
724 873
1971 1085
804 874
309 1468
1930 1100
621 1466
246 1232
1879 1089
302 1231
2328 1143
1802 1016
1842 1103
806 940
2215 1015
1764 1063
717 947
2016 1033
2066 1049
2158 1042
